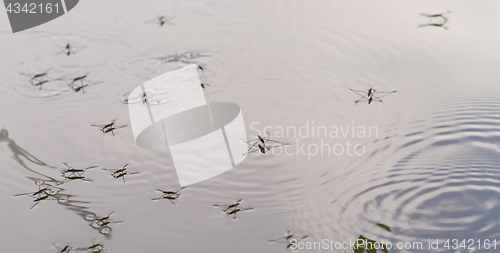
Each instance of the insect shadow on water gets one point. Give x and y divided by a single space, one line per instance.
109 128
170 195
287 239
369 96
84 82
121 173
71 174
40 79
69 201
437 20
102 223
161 20
233 209
44 192
263 144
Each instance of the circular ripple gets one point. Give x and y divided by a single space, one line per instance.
440 179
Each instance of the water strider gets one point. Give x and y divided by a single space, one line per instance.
370 95
287 239
205 83
161 20
262 144
84 82
68 50
110 127
40 79
104 221
94 248
233 209
120 173
40 195
71 174
65 249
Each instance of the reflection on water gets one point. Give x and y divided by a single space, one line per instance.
50 188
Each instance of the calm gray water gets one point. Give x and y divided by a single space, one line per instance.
430 171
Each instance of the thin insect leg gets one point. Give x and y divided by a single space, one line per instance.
255 142
378 99
386 94
268 137
249 141
279 142
35 205
248 151
360 93
358 90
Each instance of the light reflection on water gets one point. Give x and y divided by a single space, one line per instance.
432 173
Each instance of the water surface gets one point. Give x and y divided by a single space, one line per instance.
432 172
